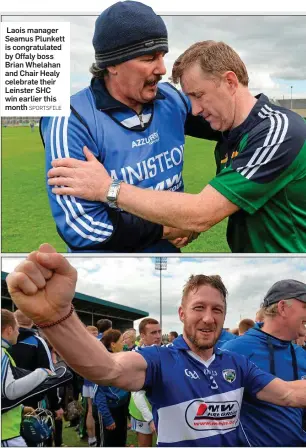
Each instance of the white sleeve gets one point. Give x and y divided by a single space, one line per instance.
12 388
141 404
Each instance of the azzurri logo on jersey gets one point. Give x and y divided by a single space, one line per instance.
229 375
153 138
207 415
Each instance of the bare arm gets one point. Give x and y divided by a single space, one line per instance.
284 393
192 212
88 356
43 287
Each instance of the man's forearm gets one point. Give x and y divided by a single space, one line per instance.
84 353
170 209
284 393
194 212
297 395
89 358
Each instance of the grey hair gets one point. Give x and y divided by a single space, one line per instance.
97 72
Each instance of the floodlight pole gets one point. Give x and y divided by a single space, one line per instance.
160 265
291 96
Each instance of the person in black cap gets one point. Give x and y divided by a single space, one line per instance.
133 124
269 345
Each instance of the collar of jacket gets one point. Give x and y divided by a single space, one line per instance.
5 343
104 101
251 120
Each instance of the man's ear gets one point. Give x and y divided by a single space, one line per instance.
181 314
231 81
112 69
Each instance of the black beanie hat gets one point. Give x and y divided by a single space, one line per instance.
126 30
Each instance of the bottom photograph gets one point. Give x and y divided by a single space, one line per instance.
152 351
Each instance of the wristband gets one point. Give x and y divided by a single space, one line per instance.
58 321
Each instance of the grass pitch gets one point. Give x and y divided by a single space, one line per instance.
26 217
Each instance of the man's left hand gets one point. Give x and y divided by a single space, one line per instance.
83 179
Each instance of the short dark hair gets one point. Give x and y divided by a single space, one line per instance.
104 325
195 281
7 319
245 325
110 336
174 334
146 321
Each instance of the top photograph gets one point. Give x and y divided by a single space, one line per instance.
185 134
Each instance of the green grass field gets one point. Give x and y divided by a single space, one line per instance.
26 218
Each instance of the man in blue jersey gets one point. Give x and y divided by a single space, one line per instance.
261 163
196 391
133 124
269 346
224 337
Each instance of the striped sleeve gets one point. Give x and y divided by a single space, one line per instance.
88 225
81 223
265 160
14 388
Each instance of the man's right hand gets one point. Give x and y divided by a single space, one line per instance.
178 237
111 427
43 285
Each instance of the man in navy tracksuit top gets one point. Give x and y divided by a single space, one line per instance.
133 124
269 346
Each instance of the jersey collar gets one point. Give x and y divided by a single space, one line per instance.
252 119
181 344
104 101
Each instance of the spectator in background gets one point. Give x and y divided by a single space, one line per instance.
12 388
245 325
111 402
30 353
129 339
103 325
235 331
225 336
172 335
268 345
140 408
93 330
88 393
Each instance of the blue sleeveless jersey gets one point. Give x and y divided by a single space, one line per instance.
151 157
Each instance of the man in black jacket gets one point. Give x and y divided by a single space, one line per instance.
31 352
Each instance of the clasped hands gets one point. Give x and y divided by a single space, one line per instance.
88 179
